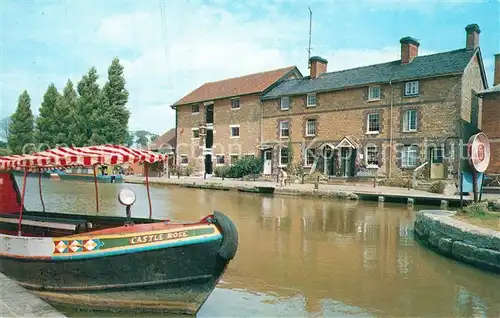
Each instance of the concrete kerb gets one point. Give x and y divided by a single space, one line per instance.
459 240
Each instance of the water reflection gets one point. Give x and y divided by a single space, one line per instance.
308 257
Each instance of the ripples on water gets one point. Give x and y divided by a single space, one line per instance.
306 257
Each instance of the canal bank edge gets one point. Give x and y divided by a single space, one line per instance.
15 301
459 240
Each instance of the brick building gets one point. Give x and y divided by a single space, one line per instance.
384 119
221 121
491 118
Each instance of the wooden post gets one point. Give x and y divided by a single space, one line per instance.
474 184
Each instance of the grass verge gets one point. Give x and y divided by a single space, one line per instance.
479 214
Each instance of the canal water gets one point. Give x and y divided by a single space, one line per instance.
306 257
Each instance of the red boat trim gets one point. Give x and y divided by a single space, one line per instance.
37 258
116 286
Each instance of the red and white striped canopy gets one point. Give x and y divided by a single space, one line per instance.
80 156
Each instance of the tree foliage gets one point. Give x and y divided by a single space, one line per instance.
65 110
47 120
21 128
4 128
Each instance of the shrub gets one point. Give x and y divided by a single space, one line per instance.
222 172
474 210
242 167
437 187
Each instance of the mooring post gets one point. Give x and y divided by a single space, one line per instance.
374 182
381 198
316 185
411 201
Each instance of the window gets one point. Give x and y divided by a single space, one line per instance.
311 100
310 127
235 131
196 133
219 159
374 92
235 103
249 155
410 120
372 155
195 109
309 157
285 103
284 156
409 156
284 129
184 159
233 159
411 88
373 123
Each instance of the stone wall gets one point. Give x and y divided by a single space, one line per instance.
459 240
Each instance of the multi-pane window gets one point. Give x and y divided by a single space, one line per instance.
233 159
196 133
195 109
284 128
409 156
411 88
310 157
184 159
372 155
374 92
284 156
235 131
310 127
219 159
410 120
373 123
311 100
285 103
235 103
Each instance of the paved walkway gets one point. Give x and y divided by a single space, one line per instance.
15 301
358 189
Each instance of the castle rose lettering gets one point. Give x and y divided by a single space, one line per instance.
158 237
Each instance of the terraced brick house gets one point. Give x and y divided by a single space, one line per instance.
491 118
386 119
219 122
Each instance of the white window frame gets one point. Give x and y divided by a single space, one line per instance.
309 102
231 131
406 151
195 113
406 120
232 105
180 160
306 157
370 90
371 165
281 128
192 133
368 131
217 159
281 164
231 155
281 102
307 126
412 88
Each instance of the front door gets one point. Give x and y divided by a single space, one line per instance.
436 163
347 157
329 161
268 161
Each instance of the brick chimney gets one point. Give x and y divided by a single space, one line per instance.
409 49
318 66
472 40
496 78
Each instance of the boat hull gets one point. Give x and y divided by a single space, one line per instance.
174 278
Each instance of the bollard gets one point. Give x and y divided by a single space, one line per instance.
316 185
204 175
444 204
374 182
411 201
381 198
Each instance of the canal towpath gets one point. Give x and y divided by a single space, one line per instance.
15 301
360 191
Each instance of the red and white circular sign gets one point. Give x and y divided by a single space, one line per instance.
479 152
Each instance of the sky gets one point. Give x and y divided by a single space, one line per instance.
169 48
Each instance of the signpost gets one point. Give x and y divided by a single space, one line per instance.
478 152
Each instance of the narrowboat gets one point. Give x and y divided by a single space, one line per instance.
108 263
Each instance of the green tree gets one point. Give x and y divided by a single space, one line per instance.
4 128
129 139
142 137
87 112
21 127
115 129
66 112
47 121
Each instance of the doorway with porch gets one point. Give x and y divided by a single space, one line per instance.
339 162
267 156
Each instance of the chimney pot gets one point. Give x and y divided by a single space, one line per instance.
472 38
318 66
409 49
496 78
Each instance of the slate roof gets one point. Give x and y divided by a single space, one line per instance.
491 90
248 84
438 64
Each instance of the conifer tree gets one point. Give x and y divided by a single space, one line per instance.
21 125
